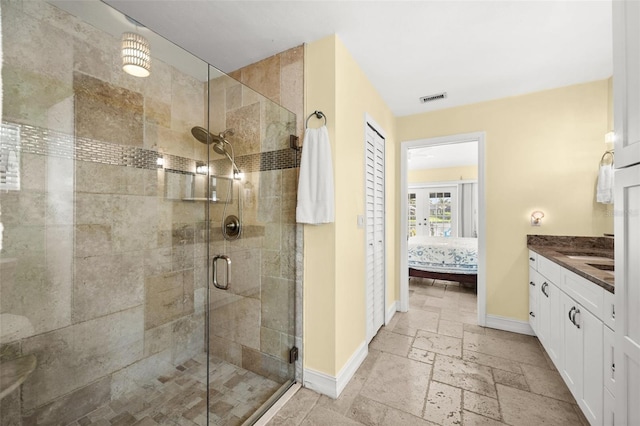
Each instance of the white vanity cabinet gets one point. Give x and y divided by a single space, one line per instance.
570 323
583 362
533 299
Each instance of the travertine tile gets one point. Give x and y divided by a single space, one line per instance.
481 404
394 343
507 335
320 416
520 407
492 361
472 419
82 353
168 297
437 343
398 382
547 383
444 404
422 355
296 409
450 328
347 397
464 374
372 413
529 353
410 322
508 378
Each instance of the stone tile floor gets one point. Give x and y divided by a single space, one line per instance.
180 398
434 365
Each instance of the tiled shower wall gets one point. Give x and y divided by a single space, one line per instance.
281 79
253 323
103 274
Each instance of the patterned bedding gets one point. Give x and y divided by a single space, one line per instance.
444 254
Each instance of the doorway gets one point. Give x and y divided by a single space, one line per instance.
407 216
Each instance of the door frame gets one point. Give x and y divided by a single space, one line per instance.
478 137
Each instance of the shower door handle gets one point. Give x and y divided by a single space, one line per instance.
214 267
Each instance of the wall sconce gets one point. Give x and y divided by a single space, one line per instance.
202 169
136 55
536 218
610 137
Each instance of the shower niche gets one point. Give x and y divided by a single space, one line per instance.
179 186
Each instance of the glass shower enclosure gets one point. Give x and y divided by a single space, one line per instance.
115 215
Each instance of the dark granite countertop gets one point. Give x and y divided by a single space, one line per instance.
558 249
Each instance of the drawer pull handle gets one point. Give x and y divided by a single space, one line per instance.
544 286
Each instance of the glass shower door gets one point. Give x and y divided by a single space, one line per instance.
103 256
251 323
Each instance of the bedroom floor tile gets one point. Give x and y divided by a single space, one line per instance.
434 365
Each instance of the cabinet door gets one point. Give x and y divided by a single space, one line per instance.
554 335
627 252
626 81
609 403
592 363
542 318
572 343
608 367
533 299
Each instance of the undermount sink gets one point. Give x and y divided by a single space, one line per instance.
589 258
607 267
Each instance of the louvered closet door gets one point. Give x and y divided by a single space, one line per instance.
374 166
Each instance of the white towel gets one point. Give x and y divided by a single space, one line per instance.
315 187
604 189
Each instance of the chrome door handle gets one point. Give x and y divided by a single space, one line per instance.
214 274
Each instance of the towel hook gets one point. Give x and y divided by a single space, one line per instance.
318 114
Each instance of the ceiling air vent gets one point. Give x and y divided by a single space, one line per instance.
432 98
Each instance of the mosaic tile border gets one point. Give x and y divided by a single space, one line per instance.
40 141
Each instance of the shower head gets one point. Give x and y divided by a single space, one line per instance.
219 142
204 136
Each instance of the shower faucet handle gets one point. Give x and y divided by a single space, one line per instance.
214 274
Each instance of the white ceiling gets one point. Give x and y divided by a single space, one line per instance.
441 156
474 50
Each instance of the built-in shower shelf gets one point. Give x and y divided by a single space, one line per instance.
200 199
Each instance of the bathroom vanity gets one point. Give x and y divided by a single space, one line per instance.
572 311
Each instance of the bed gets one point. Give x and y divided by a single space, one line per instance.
444 258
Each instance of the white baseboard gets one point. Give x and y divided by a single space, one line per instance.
508 324
333 386
391 312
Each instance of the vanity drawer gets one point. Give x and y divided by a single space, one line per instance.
609 315
549 270
533 260
583 291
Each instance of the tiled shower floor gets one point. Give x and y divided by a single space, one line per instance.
180 398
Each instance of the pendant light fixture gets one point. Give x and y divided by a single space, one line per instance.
136 53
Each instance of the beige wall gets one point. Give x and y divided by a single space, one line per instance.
443 174
542 153
334 254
